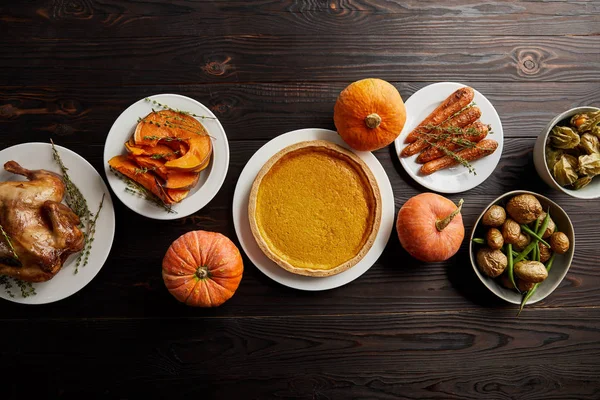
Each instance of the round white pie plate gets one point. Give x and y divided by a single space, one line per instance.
268 267
455 179
211 179
86 178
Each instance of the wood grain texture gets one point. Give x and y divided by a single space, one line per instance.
467 355
396 283
255 111
252 58
402 330
92 18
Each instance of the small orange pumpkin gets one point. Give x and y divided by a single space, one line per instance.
430 227
369 114
202 269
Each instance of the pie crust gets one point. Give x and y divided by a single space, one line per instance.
315 208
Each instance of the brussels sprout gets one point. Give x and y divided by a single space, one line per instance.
552 156
494 216
589 143
559 242
589 165
563 137
494 239
564 170
511 231
524 208
531 271
491 262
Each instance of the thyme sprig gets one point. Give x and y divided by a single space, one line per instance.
138 190
454 155
166 107
166 139
159 156
8 284
27 288
89 237
9 242
73 196
138 171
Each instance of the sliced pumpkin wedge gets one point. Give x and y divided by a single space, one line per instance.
152 165
167 125
200 149
176 195
181 180
127 167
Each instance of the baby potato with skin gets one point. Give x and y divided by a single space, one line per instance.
494 239
511 231
524 286
491 262
559 242
551 225
531 271
494 216
545 252
524 208
522 242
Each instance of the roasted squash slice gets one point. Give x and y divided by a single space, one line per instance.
159 151
176 195
173 179
165 125
127 167
198 153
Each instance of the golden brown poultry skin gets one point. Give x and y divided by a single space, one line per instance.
42 230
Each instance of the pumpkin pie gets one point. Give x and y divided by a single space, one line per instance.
315 208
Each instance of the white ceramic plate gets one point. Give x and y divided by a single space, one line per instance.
87 179
211 178
456 179
268 267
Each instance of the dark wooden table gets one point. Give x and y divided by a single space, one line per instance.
402 330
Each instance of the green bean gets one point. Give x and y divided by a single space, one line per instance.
536 249
533 234
531 291
525 251
537 226
545 223
479 240
511 270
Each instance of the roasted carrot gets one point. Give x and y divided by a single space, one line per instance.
481 149
473 133
453 104
461 120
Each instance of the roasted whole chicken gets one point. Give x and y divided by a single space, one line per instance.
43 231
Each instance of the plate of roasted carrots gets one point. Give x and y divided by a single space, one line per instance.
166 156
452 139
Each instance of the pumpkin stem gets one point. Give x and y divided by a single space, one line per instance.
202 272
373 120
441 224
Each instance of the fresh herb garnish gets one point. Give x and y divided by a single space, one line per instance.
9 242
138 190
78 203
165 107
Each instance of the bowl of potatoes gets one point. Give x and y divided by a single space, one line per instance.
522 246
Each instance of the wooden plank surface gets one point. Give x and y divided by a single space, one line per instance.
251 58
413 17
402 330
552 355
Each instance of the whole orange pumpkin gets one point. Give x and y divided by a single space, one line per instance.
369 114
430 227
202 269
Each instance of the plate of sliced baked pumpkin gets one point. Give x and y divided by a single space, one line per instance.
166 156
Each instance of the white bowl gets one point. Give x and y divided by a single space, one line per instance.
561 263
591 191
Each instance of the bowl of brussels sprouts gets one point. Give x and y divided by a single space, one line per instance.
522 246
567 153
